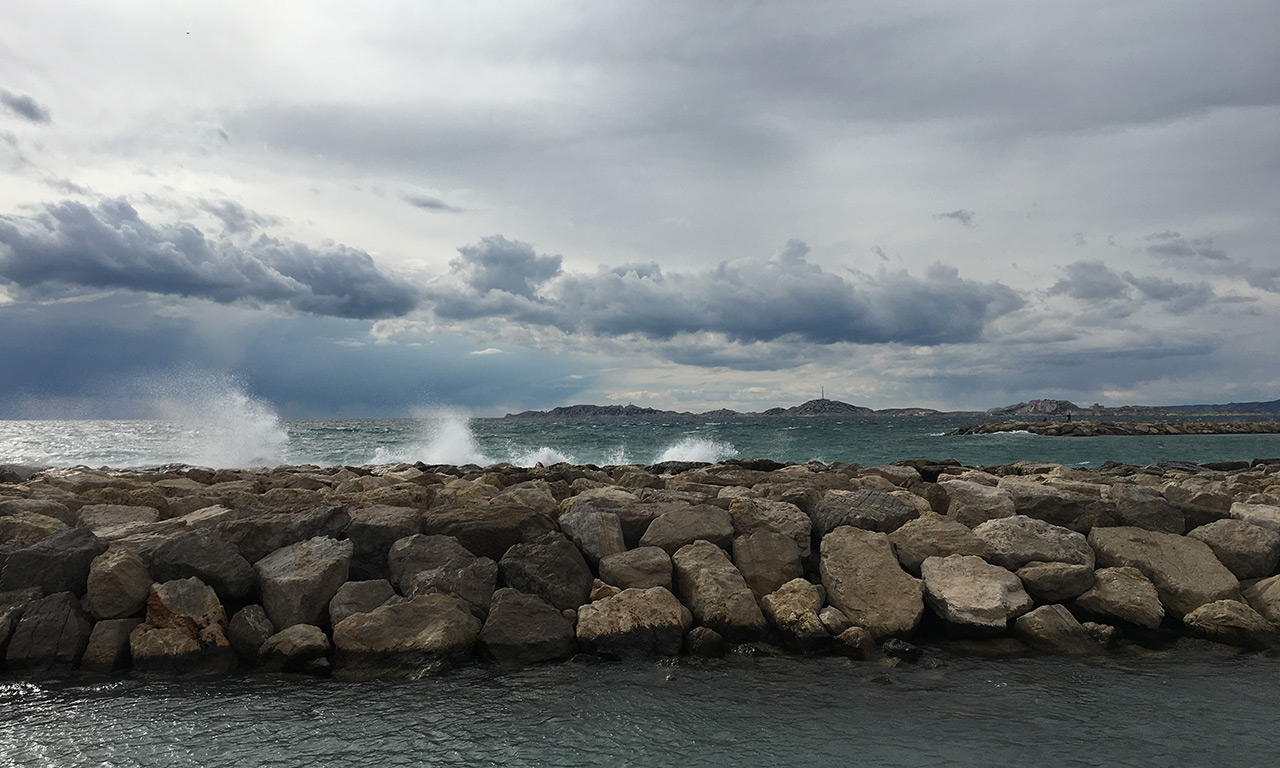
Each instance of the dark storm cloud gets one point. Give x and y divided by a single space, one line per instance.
235 218
25 107
1199 253
1096 283
746 301
963 216
1090 281
428 203
70 245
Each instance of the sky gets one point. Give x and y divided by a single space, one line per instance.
371 209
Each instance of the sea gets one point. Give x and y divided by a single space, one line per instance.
1184 706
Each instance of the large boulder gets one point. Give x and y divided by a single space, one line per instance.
103 518
372 531
863 579
973 595
1077 507
1231 622
752 515
932 535
1055 582
419 636
550 567
22 529
118 585
12 605
1052 629
50 637
640 568
57 563
793 611
1184 571
184 632
1249 551
974 503
490 529
525 629
596 532
686 524
714 590
1265 515
45 507
863 508
1142 507
767 560
108 648
1125 594
633 516
1018 540
634 623
207 556
1264 596
359 597
258 535
297 582
249 629
294 647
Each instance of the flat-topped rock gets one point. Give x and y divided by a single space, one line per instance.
1184 570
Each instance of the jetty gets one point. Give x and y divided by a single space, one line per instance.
411 569
1099 428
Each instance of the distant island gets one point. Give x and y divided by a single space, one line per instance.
824 408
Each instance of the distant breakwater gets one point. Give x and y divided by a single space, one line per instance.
408 569
1099 428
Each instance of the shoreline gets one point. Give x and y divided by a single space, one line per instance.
407 569
1122 428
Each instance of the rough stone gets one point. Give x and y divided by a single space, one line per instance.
1264 596
1018 540
1055 582
597 533
1142 507
793 611
932 535
104 517
973 503
1078 507
207 556
689 523
707 581
634 623
46 507
249 629
257 536
50 637
359 597
864 508
184 632
863 579
294 647
705 643
639 568
834 619
1231 622
550 567
856 643
1265 515
1123 593
767 560
1248 550
372 531
525 629
489 530
751 515
22 529
118 585
297 582
108 648
972 594
57 563
419 636
1052 629
1184 570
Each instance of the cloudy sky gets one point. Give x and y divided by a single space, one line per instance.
365 209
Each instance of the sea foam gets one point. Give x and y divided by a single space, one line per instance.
218 423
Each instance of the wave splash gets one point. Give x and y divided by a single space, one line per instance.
218 423
697 449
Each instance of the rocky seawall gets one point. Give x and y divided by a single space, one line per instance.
1097 428
408 569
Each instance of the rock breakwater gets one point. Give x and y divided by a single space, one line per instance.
1097 428
406 569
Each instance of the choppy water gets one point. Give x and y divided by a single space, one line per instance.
747 712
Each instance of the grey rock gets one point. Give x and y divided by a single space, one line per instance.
714 590
834 620
689 523
932 535
372 531
525 629
972 594
359 597
973 503
1264 515
1056 582
1064 506
767 560
634 623
1142 507
249 629
207 556
413 554
863 579
184 632
1052 629
1018 540
550 567
1233 623
118 585
423 635
1123 593
640 568
108 647
863 508
633 516
104 517
597 533
57 563
752 515
297 582
257 536
793 611
1184 571
490 529
1264 596
50 637
294 646
1249 551
46 507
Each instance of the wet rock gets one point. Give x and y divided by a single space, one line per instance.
640 568
855 643
707 581
108 648
793 611
1233 623
1249 551
705 643
424 635
834 620
1105 635
767 560
359 597
256 536
525 629
863 579
249 629
932 535
687 524
1018 540
1184 570
972 594
184 632
1052 629
1055 582
597 533
293 647
550 567
634 623
488 530
863 508
12 605
1123 593
752 515
372 531
118 585
50 637
901 650
57 563
973 503
207 556
297 582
